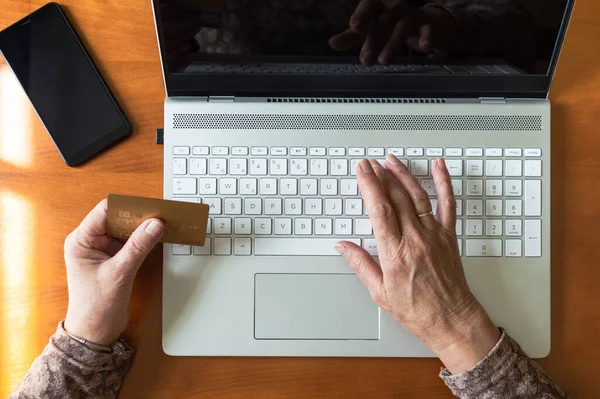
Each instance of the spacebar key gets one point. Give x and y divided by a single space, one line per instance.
297 246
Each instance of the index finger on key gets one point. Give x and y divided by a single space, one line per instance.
381 212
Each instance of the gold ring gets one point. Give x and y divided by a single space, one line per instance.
422 215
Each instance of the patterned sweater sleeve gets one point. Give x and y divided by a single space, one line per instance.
506 372
68 370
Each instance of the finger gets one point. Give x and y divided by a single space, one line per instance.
446 212
419 197
365 13
363 264
399 37
91 233
381 212
139 245
398 196
346 41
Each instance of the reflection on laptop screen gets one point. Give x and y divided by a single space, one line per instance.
360 36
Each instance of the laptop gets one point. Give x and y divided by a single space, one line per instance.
266 118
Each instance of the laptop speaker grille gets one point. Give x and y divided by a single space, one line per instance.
358 122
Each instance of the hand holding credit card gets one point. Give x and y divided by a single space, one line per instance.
185 222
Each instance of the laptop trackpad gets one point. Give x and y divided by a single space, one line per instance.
313 306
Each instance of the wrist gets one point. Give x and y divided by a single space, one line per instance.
90 331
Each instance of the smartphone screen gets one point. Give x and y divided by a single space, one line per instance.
63 85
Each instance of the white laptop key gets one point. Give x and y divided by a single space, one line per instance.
339 167
184 186
533 168
283 226
514 188
200 150
214 205
414 152
222 226
513 248
243 226
474 227
179 166
220 150
263 226
298 151
323 227
333 206
329 187
455 167
191 200
376 152
239 151
279 151
248 186
209 226
222 246
493 208
353 165
179 249
343 227
273 206
257 151
363 227
354 207
459 207
238 166
434 206
267 186
533 198
493 188
434 152
207 186
313 206
279 167
533 238
308 186
318 167
457 186
513 168
514 227
258 166
513 152
303 227
253 206
227 186
484 248
475 188
356 152
397 152
318 151
299 167
514 207
205 250
288 186
475 167
292 206
454 152
242 246
429 186
179 150
493 227
337 152
460 246
217 166
493 167
197 166
533 152
474 152
459 227
493 152
370 245
418 167
233 206
474 207
349 187
277 246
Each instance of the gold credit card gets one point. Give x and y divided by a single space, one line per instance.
185 222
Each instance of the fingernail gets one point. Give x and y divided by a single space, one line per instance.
340 249
393 160
365 166
442 164
155 229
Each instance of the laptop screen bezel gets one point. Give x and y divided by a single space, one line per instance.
361 86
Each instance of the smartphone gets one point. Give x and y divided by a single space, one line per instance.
61 81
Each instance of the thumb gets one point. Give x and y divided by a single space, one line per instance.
363 264
139 245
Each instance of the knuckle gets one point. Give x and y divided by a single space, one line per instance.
420 196
381 210
137 247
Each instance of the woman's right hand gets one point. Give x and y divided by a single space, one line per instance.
419 279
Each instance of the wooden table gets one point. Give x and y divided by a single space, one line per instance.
42 200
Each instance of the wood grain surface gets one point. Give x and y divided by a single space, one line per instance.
42 200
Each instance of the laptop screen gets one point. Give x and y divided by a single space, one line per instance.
345 37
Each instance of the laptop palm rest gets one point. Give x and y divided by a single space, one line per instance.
313 307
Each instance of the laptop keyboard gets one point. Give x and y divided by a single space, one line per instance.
289 201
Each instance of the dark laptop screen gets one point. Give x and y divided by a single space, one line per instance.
500 37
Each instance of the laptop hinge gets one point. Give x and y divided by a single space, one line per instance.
492 100
221 99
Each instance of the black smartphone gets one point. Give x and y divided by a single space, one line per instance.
61 81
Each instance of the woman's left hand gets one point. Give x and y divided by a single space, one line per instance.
100 274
